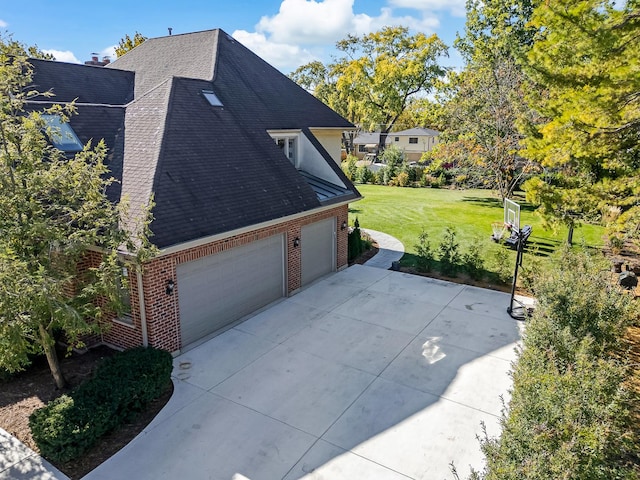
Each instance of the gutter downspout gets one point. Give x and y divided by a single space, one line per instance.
143 313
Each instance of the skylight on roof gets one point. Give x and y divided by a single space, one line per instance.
212 98
61 134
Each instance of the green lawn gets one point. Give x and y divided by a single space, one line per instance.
403 212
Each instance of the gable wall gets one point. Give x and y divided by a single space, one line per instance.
331 140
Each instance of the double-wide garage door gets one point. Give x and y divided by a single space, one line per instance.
217 290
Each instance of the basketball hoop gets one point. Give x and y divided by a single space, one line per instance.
499 229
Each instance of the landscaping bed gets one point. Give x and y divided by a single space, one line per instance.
32 389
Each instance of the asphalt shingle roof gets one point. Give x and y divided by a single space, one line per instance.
190 55
85 84
210 169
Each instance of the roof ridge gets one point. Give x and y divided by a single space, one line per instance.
142 151
190 33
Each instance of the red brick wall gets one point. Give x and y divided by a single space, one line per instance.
342 257
162 310
117 333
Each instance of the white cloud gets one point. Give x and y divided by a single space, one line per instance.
308 21
3 24
305 30
456 7
283 56
363 23
324 22
63 56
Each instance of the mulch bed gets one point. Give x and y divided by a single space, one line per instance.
33 388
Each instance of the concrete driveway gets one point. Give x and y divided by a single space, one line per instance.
366 374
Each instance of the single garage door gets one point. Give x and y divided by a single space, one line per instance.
318 249
219 289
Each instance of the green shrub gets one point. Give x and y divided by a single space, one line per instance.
349 167
501 264
121 387
426 180
449 253
393 159
354 242
563 424
363 175
578 295
387 173
461 180
402 180
472 260
425 255
569 411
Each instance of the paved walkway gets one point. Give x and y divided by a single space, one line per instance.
18 462
391 249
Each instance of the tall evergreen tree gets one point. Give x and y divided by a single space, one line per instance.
585 64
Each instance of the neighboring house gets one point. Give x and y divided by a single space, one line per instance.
366 143
413 142
243 167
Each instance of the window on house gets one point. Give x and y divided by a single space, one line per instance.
397 139
413 139
212 98
362 148
61 134
124 287
289 147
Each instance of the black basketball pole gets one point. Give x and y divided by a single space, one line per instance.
519 312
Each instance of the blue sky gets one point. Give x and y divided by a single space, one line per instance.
286 33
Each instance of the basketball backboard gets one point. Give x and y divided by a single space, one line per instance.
512 214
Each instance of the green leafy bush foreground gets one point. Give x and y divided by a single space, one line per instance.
121 387
568 417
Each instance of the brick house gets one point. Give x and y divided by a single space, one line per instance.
243 168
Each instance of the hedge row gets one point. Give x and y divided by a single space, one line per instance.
121 387
568 416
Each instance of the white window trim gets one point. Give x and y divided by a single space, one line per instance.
287 135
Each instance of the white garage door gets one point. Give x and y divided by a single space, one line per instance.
318 249
219 289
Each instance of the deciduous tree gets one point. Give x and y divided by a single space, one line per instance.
377 76
497 28
53 213
127 43
483 105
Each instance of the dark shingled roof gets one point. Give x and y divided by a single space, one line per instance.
210 169
190 55
69 81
